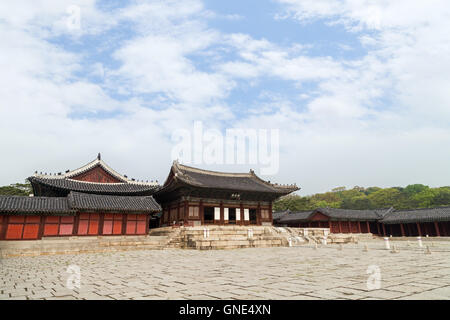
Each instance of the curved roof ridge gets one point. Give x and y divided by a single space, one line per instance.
97 162
180 166
417 209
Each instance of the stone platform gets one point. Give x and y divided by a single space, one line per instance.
210 237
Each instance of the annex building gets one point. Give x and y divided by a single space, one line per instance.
382 222
91 200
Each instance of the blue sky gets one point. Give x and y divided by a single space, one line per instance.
358 89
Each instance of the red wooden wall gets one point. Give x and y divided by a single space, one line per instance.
85 224
96 174
22 227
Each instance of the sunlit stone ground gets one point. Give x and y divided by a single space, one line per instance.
258 273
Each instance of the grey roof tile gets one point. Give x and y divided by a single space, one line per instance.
68 185
418 215
35 205
83 201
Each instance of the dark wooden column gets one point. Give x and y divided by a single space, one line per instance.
258 214
340 228
178 213
378 228
384 229
350 227
200 212
41 227
76 221
242 213
147 223
124 223
270 213
368 226
101 222
402 229
186 211
359 226
418 229
436 226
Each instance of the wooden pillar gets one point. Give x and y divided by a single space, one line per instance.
201 213
418 229
402 229
75 224
436 226
368 226
359 226
241 207
178 212
378 228
124 223
384 229
339 225
101 221
186 211
329 225
147 223
270 213
41 227
350 227
222 218
258 214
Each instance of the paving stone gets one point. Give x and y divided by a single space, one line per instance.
298 273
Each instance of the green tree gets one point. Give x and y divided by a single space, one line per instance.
17 189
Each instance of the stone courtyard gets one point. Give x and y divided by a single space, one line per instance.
298 272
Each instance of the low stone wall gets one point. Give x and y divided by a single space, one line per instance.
75 245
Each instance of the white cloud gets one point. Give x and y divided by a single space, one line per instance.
372 120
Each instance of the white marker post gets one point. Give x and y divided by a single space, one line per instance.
290 242
419 239
205 234
386 243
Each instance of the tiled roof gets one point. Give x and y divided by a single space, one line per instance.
355 215
229 181
35 205
76 201
279 214
98 162
67 185
418 215
83 201
298 216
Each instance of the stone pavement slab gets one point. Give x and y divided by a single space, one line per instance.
299 273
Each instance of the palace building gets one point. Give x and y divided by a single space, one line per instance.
92 200
192 196
95 200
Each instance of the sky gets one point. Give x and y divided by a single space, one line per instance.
358 89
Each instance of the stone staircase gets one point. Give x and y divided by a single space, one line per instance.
220 237
302 236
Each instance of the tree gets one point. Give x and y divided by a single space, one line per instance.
17 189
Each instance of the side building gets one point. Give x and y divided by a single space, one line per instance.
192 196
382 222
89 201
